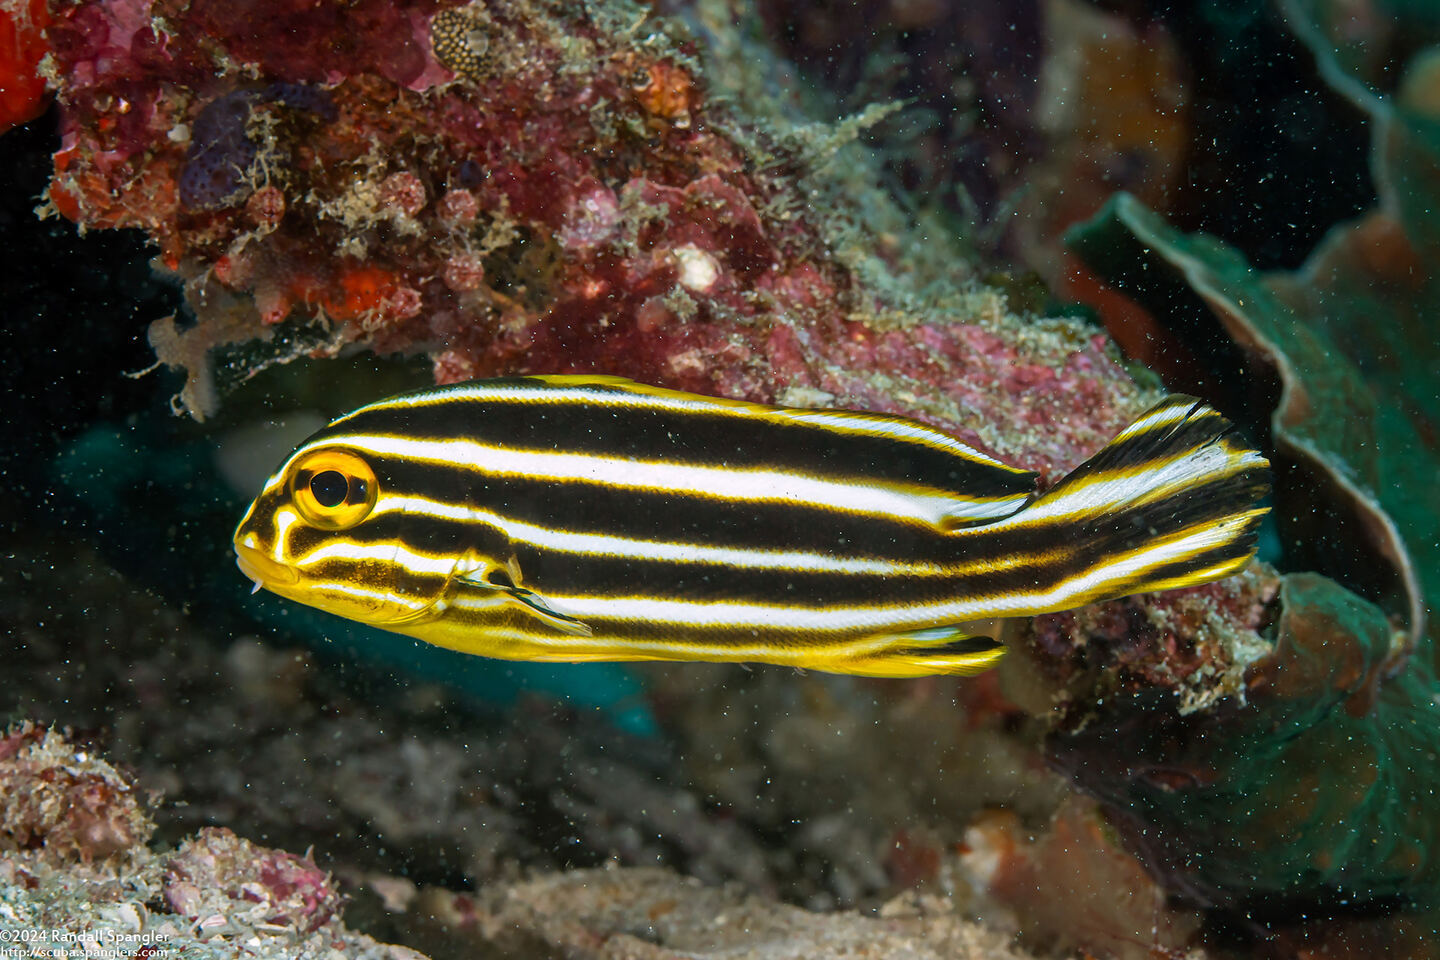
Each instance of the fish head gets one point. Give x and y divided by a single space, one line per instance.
324 532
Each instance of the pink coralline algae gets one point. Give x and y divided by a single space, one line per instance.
219 875
535 187
77 872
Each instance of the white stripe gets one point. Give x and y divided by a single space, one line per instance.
285 518
1110 491
595 544
549 393
1107 570
988 510
1163 415
756 486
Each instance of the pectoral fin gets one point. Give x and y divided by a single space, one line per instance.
507 581
537 605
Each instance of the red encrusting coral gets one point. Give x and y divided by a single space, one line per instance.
527 188
22 47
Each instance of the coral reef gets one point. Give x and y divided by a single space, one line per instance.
22 46
77 873
545 186
529 187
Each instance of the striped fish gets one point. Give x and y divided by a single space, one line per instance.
572 518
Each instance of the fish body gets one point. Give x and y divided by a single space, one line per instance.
570 518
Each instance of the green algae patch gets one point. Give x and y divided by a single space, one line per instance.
1312 796
1323 785
1316 796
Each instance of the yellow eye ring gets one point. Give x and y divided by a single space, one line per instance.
333 489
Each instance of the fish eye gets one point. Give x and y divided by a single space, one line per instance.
333 489
329 488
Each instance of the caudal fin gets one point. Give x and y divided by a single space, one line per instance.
1173 501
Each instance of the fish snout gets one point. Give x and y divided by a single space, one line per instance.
262 569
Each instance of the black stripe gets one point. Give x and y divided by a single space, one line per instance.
1229 552
441 538
964 647
721 438
592 508
610 577
1129 529
385 576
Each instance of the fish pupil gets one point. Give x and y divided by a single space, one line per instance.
329 488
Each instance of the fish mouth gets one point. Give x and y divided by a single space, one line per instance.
264 571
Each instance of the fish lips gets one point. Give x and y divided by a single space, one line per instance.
261 569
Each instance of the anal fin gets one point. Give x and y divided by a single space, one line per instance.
952 649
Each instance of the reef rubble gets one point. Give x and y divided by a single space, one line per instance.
78 875
533 187
78 872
